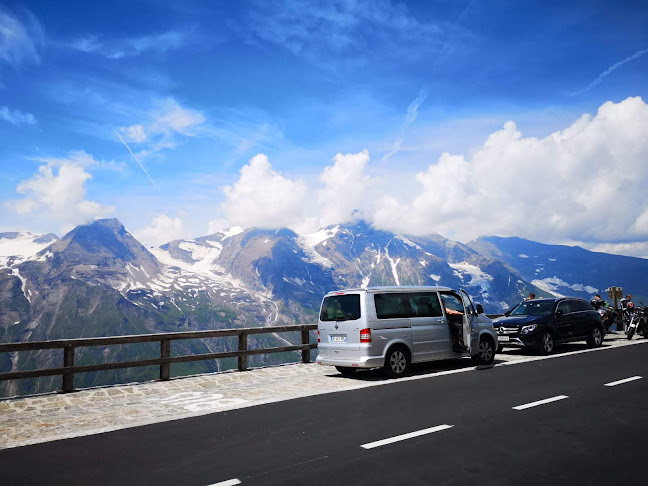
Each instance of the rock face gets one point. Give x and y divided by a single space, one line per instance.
98 280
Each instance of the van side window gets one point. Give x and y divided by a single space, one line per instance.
390 306
425 304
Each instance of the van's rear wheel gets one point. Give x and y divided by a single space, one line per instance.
485 353
397 362
345 370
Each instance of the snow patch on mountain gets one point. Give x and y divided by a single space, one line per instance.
554 284
408 242
23 283
20 247
393 265
478 278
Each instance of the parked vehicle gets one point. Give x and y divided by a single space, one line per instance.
638 322
392 327
540 324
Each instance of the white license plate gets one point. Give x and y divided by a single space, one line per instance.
503 339
338 339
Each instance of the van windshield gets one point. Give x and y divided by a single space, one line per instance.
341 308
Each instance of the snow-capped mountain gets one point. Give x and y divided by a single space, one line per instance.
566 270
98 280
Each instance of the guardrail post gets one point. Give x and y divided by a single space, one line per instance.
242 346
68 361
306 353
165 352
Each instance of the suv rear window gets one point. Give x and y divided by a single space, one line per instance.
341 308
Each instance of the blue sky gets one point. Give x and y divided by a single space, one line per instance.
197 90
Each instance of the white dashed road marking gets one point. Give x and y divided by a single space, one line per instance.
411 435
229 482
540 402
621 382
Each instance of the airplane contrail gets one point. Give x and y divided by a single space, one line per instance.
136 159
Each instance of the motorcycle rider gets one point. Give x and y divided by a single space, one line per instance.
627 307
597 302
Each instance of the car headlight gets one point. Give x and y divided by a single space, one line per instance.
528 329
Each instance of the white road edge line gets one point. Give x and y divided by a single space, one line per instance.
621 382
411 435
540 402
229 482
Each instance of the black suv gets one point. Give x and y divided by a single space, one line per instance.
542 323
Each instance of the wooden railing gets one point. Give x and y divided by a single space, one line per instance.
70 345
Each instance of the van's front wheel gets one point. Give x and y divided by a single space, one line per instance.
485 353
397 362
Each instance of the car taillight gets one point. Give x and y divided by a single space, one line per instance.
318 339
365 336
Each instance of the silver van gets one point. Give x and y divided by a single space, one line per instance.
392 327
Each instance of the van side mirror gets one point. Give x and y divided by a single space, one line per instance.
480 309
559 313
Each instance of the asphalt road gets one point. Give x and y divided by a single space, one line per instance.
465 431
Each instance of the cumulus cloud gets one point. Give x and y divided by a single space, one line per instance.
584 183
343 196
16 117
263 198
59 191
20 38
161 230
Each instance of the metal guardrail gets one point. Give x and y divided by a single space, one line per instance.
69 346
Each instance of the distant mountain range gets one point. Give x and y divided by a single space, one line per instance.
98 280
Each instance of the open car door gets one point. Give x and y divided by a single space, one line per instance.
470 331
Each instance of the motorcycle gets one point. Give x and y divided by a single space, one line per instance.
608 316
607 312
638 322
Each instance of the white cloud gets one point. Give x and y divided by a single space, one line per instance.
586 183
161 230
59 191
80 158
263 198
167 119
16 117
345 189
19 39
131 47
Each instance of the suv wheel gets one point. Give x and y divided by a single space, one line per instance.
546 343
595 339
485 353
397 362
